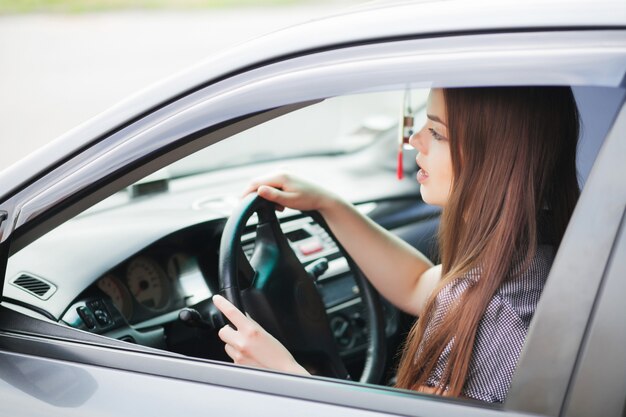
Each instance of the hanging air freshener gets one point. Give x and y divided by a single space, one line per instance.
406 130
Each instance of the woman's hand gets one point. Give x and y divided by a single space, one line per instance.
250 344
288 191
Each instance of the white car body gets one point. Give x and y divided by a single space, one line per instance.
574 360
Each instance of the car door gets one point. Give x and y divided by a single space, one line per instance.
154 381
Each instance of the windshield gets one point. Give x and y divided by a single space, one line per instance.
334 126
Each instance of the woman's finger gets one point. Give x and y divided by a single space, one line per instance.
249 189
229 336
281 198
231 312
234 354
239 358
267 192
272 180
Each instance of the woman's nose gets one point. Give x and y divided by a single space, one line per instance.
416 142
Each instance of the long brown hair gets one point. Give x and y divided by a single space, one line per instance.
513 152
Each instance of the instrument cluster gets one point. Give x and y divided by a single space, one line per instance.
146 286
143 283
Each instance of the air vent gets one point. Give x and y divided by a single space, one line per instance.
34 285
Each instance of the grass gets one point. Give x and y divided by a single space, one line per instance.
84 6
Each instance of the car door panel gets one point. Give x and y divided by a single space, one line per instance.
161 384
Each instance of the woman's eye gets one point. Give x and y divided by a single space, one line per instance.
434 134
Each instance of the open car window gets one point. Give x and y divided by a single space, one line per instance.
153 247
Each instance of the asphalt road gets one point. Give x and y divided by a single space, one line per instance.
57 71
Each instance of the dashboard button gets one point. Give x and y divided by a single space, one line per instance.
100 312
310 248
342 331
103 318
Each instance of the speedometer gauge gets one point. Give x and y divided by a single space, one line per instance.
113 287
148 283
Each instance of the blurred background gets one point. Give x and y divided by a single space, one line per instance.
64 61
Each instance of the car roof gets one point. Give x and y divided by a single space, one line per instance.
371 22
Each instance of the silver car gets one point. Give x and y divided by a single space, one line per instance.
115 236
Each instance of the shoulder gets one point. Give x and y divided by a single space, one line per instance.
513 305
522 290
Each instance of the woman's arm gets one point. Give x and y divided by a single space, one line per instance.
401 273
398 271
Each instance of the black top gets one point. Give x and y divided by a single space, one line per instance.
501 332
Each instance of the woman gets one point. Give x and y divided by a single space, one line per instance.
501 162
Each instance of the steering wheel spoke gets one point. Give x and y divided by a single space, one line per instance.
246 271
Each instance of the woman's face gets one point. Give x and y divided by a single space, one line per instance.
433 158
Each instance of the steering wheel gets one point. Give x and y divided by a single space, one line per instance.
278 293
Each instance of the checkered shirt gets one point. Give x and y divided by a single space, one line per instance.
501 331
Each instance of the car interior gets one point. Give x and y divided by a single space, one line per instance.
141 265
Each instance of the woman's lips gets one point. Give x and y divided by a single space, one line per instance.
422 176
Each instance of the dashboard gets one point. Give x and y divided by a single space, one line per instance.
140 299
